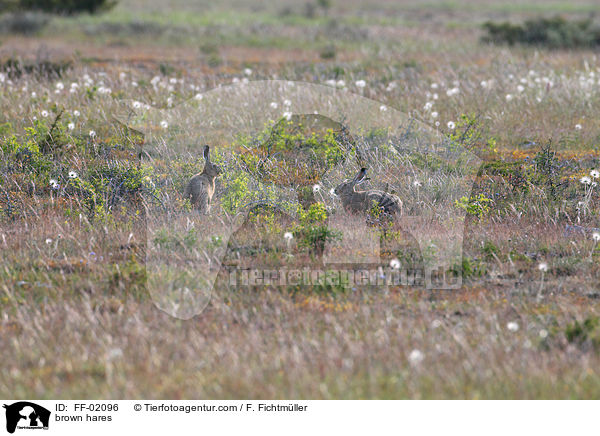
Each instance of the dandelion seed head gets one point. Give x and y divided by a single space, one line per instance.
360 83
543 267
288 236
395 264
596 236
512 326
451 125
415 357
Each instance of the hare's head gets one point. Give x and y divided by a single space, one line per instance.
211 169
347 186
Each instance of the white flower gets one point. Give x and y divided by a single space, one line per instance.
33 94
173 80
595 174
543 267
71 126
76 113
434 114
382 108
434 86
48 241
596 236
316 188
198 97
415 357
53 183
164 124
360 83
585 180
340 83
543 333
512 326
509 97
92 134
395 264
520 88
428 106
287 115
72 175
483 84
137 105
452 91
578 127
437 124
60 86
436 324
273 105
287 103
417 184
288 236
247 71
451 125
44 114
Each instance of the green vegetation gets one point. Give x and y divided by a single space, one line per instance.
556 32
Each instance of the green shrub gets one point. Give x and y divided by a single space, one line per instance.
586 334
553 32
67 7
476 205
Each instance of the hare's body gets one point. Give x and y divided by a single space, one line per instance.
364 201
201 187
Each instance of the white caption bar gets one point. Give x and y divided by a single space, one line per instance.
21 417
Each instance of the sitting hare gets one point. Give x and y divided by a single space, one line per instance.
363 201
201 187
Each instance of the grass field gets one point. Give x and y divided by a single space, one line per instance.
90 195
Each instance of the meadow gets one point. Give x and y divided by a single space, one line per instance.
103 121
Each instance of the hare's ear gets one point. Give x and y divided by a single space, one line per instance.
360 176
205 153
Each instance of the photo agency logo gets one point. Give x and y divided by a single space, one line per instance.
24 415
298 184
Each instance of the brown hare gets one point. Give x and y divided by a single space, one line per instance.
201 187
363 201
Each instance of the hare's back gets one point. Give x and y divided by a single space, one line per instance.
389 202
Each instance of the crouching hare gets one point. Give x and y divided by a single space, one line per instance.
363 201
201 187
